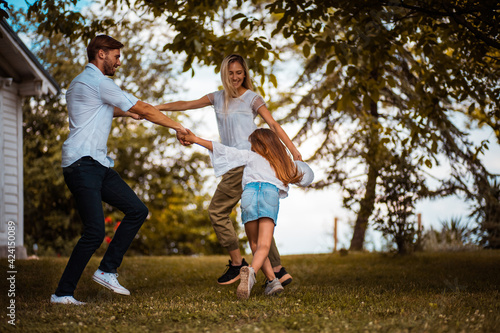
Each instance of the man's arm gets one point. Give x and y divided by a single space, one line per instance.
152 114
117 112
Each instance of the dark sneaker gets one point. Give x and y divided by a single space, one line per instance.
273 287
232 273
283 276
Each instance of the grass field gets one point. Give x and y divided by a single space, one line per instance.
361 292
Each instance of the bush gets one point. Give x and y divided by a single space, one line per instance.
454 235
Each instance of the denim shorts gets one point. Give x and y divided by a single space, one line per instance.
259 200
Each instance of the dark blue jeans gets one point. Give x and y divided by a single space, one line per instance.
91 183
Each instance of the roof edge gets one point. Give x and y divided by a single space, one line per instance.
30 54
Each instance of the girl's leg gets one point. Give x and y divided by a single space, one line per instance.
247 279
252 231
260 235
268 271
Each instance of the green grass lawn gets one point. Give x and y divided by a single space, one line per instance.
363 292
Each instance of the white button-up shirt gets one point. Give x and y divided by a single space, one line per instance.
257 168
91 99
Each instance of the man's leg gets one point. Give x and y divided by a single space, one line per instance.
117 193
84 179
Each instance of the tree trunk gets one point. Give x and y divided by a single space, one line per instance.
366 208
367 204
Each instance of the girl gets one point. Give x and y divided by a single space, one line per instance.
236 108
268 172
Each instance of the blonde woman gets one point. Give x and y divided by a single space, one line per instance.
268 170
236 107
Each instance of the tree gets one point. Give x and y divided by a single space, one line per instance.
146 156
401 187
396 74
378 76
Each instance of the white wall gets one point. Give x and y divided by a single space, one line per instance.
11 167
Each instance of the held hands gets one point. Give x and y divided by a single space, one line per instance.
181 134
190 137
186 137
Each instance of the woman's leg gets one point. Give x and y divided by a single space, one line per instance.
225 198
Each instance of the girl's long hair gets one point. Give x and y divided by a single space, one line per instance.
229 90
267 144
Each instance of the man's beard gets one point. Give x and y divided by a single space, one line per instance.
108 68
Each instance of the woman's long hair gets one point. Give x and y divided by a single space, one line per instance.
267 144
229 90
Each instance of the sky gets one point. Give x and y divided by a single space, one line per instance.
306 218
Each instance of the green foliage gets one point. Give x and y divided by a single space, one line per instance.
3 11
486 210
401 187
376 76
146 156
454 235
425 292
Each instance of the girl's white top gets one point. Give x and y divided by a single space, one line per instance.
257 168
236 123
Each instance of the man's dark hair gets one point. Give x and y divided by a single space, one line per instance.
102 42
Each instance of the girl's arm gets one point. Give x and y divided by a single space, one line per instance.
276 128
191 137
185 105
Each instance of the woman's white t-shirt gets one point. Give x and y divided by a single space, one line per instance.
237 122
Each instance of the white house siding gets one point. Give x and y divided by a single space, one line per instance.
11 165
21 76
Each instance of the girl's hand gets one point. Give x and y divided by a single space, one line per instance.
190 137
180 137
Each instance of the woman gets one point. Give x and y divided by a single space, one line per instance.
236 107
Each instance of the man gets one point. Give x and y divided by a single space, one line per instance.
93 100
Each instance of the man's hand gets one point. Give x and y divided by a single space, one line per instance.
181 136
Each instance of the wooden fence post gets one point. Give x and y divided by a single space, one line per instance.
335 235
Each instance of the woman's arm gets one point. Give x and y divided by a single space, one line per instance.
276 128
185 105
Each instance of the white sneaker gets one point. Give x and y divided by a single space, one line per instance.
247 280
273 287
110 281
65 300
